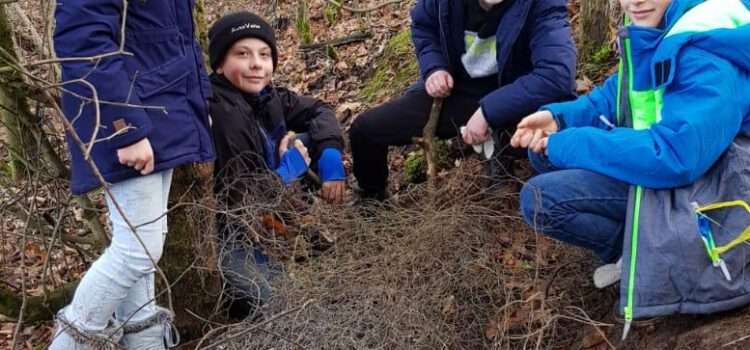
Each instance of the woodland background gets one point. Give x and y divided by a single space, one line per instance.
449 264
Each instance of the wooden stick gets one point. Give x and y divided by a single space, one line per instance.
429 134
427 141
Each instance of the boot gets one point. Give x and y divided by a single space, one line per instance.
155 333
607 275
69 337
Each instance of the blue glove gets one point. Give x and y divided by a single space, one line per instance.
292 166
330 166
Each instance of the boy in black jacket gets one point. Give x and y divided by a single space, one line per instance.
251 120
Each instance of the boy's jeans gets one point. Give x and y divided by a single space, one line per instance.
249 273
576 206
121 281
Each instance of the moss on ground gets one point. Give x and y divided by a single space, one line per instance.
415 165
395 69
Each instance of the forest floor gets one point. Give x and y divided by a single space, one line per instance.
454 270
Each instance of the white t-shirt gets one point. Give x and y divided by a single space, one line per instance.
480 58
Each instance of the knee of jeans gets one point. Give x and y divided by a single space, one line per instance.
530 205
138 259
535 205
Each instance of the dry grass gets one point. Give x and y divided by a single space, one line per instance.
457 269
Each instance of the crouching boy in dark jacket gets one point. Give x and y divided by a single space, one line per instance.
492 61
251 124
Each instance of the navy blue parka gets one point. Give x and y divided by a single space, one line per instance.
535 53
165 70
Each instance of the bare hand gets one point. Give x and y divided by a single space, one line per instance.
439 84
533 131
139 156
477 130
333 191
284 146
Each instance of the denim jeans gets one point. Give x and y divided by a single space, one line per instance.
121 281
248 272
576 206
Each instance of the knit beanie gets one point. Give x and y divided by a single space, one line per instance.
236 26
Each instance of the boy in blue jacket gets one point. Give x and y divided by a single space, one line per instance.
492 61
251 123
675 106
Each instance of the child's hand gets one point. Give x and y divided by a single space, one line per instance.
332 191
139 156
477 129
284 146
533 131
439 84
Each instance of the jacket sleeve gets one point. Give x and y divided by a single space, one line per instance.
552 78
701 116
313 116
88 28
425 33
586 110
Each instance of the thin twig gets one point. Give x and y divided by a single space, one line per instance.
248 329
366 9
24 297
120 51
736 341
58 225
356 37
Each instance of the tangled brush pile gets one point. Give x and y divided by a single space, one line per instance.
453 269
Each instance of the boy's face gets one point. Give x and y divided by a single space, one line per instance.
248 65
645 13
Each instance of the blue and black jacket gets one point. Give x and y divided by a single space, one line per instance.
703 76
247 131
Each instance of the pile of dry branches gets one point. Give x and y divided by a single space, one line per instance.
455 269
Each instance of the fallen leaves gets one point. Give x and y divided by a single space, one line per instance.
594 339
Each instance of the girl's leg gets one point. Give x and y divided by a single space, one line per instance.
147 326
139 305
579 207
124 263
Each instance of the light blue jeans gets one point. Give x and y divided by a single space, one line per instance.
121 281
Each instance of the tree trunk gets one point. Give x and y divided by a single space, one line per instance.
13 105
201 28
598 18
38 308
190 259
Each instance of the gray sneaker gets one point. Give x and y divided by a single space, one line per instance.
607 275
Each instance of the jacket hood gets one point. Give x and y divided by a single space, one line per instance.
720 27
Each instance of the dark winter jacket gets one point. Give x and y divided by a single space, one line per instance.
535 52
165 70
252 127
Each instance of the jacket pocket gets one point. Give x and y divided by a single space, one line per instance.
152 83
174 131
153 49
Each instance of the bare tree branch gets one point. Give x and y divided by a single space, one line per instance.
366 9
